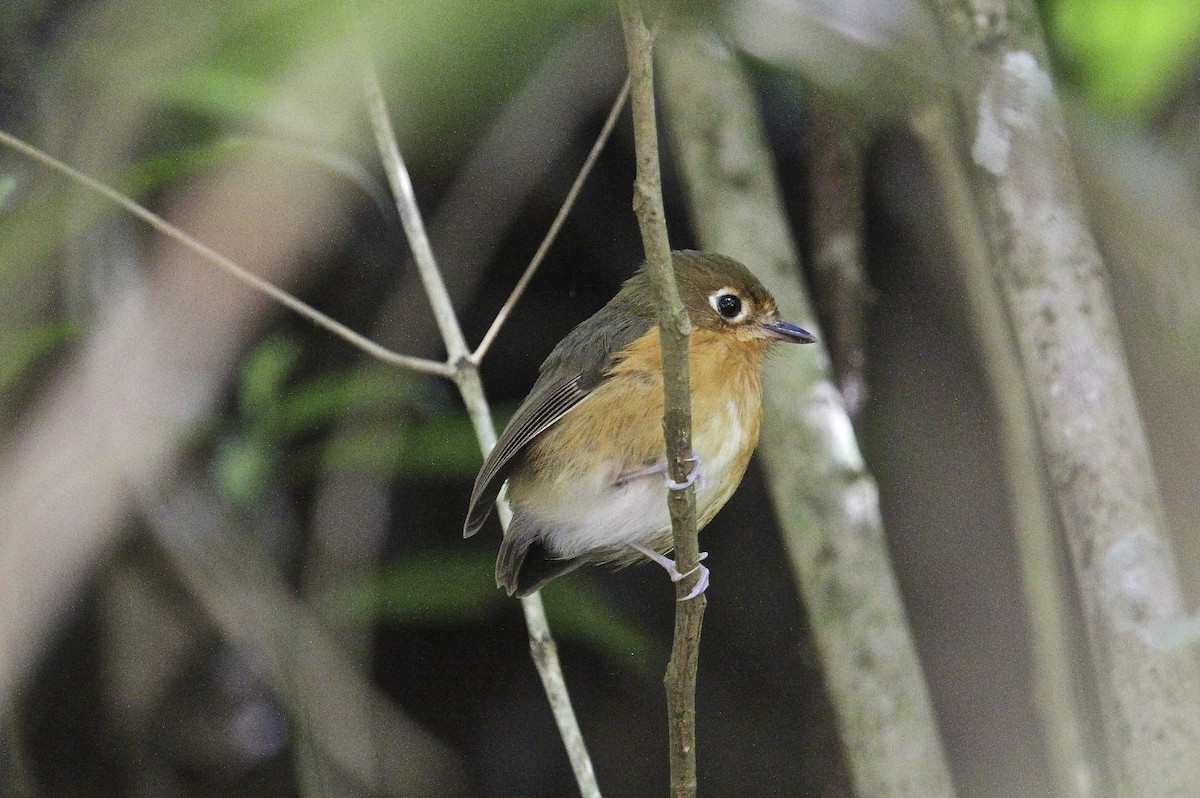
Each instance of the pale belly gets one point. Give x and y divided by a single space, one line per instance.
597 514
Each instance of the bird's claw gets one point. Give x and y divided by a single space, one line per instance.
672 571
694 476
701 581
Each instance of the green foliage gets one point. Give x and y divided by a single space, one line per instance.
20 349
437 590
443 446
1125 54
387 427
8 184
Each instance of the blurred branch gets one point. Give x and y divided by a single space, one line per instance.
116 415
228 265
1145 212
835 193
828 506
466 376
1057 296
674 329
251 605
1037 531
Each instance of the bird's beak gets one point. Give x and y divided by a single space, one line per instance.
790 333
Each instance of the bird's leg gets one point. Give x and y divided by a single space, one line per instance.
669 564
694 476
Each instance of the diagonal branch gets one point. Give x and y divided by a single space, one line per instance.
233 269
674 330
466 376
559 219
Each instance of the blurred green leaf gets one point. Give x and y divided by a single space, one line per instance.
328 397
378 436
429 590
447 446
247 57
437 590
155 171
1127 54
219 91
444 446
283 410
8 184
20 349
263 376
243 467
578 611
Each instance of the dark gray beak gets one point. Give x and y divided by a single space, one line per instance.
790 333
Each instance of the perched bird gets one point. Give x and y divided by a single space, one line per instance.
584 455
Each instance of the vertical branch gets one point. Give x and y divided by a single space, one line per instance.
826 502
466 376
1056 294
839 282
674 330
1037 531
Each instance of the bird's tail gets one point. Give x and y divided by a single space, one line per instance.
524 566
512 556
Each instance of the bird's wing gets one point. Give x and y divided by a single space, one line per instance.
578 364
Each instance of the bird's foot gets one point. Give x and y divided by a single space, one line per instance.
669 564
695 476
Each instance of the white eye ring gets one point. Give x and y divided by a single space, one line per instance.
729 305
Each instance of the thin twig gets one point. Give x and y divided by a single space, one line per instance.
249 278
674 330
466 376
410 217
568 203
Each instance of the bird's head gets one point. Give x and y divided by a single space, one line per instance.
721 295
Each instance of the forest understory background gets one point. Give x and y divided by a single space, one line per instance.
226 479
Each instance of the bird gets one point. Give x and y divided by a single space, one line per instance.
584 456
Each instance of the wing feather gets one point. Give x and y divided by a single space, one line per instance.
530 421
577 365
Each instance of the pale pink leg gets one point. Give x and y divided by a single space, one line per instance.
694 476
669 564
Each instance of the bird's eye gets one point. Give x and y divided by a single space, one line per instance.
728 305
